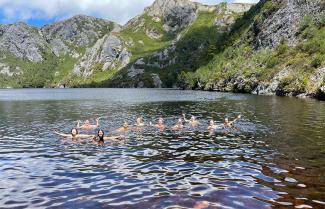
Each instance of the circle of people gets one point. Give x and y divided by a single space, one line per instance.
100 137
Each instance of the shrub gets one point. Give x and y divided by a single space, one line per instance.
272 62
306 22
310 47
316 61
309 32
282 48
321 20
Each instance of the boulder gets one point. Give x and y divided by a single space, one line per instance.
156 80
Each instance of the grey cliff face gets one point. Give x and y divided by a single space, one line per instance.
227 18
77 31
63 38
175 14
8 71
237 8
108 51
284 23
22 41
27 42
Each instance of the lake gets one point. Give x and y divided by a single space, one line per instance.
273 158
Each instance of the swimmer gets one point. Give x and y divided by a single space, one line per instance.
87 125
139 122
179 125
193 122
74 134
160 124
212 125
124 128
229 124
100 138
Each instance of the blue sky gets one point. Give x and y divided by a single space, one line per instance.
40 12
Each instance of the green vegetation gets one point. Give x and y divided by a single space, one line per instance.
205 56
35 75
235 57
139 43
194 49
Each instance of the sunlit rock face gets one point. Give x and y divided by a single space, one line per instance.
108 51
175 14
22 41
283 23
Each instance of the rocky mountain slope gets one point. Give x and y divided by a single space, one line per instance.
273 47
54 54
172 36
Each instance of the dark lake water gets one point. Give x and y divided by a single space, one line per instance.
275 158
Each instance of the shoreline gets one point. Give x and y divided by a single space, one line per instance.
319 96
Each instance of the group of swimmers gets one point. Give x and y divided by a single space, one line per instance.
100 137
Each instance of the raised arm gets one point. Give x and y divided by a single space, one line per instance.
232 122
185 118
97 122
78 124
114 137
62 134
85 136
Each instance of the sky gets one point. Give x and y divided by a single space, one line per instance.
41 12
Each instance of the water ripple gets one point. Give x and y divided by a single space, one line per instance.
259 165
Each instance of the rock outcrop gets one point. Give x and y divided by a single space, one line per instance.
108 52
283 23
78 31
87 41
6 70
22 41
176 14
27 42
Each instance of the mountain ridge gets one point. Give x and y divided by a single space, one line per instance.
249 48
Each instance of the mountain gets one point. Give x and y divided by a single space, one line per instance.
273 47
169 34
277 47
47 56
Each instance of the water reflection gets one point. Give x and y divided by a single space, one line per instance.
274 159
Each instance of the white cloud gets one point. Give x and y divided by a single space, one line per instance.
116 10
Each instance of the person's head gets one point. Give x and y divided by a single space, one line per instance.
192 118
139 120
160 121
87 122
211 122
125 124
226 120
100 133
74 132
